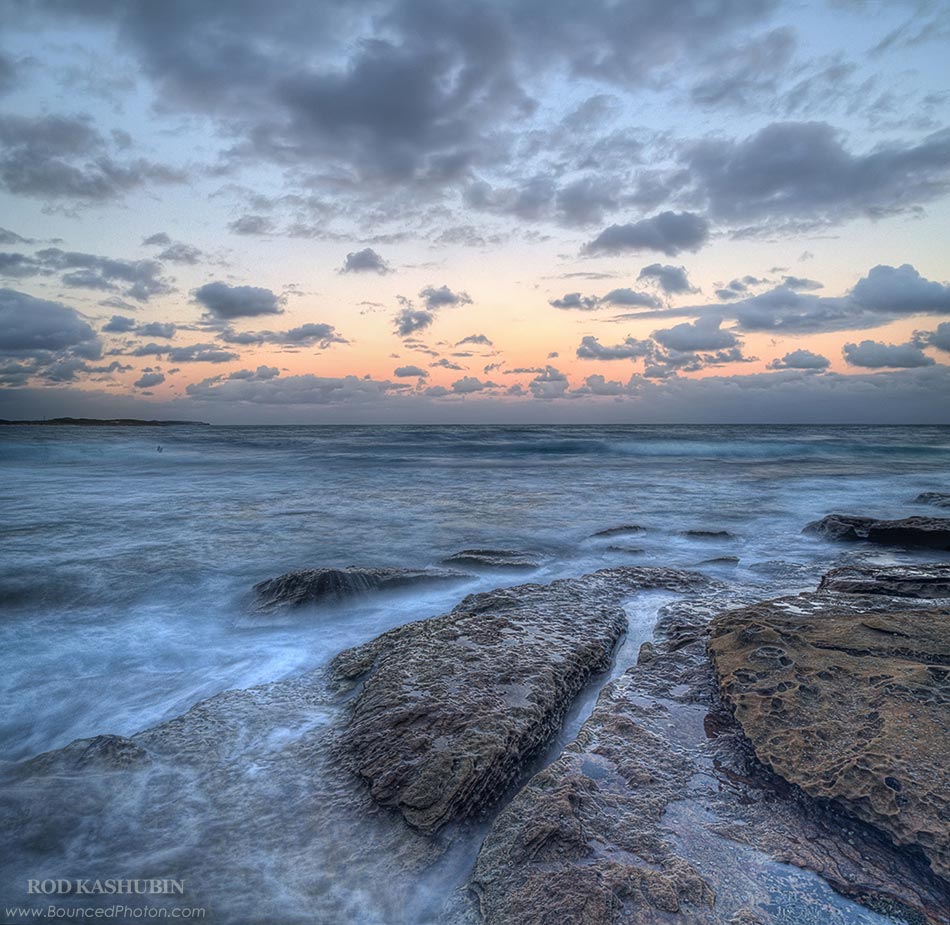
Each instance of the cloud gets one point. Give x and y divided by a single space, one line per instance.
901 290
801 282
801 170
702 334
164 329
181 253
940 338
442 297
549 384
576 300
29 325
591 349
119 324
147 380
225 302
159 239
872 354
409 320
672 280
668 232
252 225
447 364
365 261
478 339
289 390
801 359
200 353
630 297
406 372
56 156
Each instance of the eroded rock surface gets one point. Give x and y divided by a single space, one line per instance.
320 585
452 708
848 697
918 581
930 532
659 812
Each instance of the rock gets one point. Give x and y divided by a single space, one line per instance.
930 532
660 813
938 498
452 708
847 697
727 561
492 559
709 534
322 585
628 550
920 581
622 530
103 752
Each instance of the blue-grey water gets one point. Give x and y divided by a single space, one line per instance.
125 571
128 553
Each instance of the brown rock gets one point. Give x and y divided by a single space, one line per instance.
918 581
847 697
453 707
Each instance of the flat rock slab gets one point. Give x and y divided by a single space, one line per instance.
324 585
452 708
917 581
848 697
660 814
928 532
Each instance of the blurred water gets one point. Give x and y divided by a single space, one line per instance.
125 571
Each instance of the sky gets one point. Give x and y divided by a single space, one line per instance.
511 211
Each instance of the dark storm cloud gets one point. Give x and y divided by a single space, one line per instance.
365 261
802 170
801 359
702 334
672 280
872 354
225 302
119 324
442 297
668 232
66 157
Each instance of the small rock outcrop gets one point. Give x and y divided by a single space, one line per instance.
929 532
848 697
493 559
917 581
621 530
937 498
709 534
452 708
325 585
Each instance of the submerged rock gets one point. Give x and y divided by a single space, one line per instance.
931 532
493 558
321 585
709 534
849 698
938 498
452 708
919 581
659 814
622 530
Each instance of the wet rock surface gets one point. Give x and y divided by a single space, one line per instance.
621 530
848 697
929 532
452 708
659 812
931 580
938 498
493 559
324 585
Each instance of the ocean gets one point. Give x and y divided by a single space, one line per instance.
129 553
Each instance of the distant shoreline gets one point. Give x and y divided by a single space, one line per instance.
103 422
